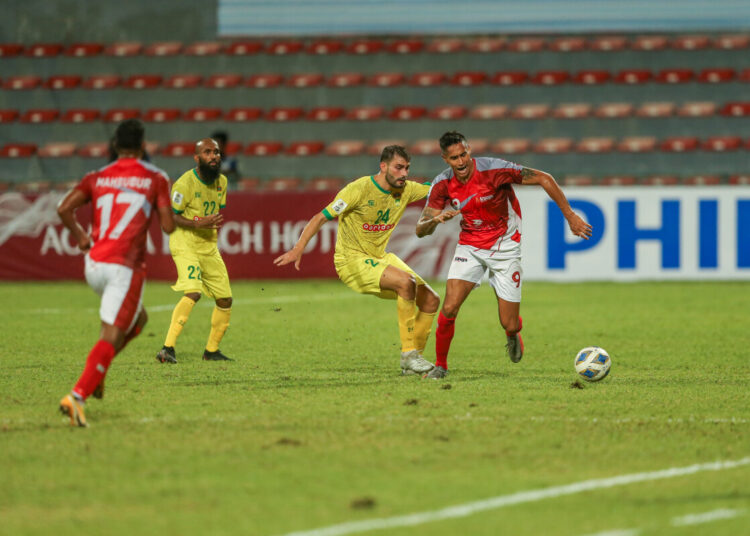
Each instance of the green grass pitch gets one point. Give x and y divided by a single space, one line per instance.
312 425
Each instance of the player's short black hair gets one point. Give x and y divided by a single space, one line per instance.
451 138
129 135
220 136
394 150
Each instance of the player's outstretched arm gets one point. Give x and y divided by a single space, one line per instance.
67 212
577 226
295 254
430 219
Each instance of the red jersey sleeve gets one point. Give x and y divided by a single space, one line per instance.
438 194
86 186
504 172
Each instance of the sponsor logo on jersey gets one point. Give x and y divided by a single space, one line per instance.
486 197
371 203
460 259
477 223
177 198
339 206
377 227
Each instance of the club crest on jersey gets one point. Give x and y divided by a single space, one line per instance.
456 204
197 195
339 206
371 203
177 198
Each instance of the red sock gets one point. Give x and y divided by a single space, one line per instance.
97 363
520 327
443 338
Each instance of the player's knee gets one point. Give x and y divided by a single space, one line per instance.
450 310
431 300
142 319
195 296
224 303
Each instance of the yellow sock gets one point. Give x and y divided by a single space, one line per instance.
219 325
406 313
179 319
422 329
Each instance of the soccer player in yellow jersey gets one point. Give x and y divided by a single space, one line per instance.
197 196
368 209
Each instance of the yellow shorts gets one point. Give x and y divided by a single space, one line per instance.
202 273
363 274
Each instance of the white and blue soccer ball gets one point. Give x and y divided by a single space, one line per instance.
593 363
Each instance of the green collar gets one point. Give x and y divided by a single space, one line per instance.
386 192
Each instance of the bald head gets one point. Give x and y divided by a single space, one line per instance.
205 143
208 158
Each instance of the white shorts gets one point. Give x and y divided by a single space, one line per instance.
121 289
505 275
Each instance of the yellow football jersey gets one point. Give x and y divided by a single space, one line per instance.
194 199
367 215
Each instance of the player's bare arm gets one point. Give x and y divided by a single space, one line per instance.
431 217
577 226
214 221
166 219
67 212
295 254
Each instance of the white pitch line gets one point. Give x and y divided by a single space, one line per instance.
618 532
706 517
467 509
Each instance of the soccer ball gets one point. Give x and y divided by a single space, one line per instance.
592 363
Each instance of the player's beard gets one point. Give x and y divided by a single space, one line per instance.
208 173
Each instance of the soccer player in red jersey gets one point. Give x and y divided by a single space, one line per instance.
481 191
124 195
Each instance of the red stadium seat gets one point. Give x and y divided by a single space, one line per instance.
661 180
69 81
572 110
285 114
637 144
325 47
608 43
82 50
203 114
22 82
679 144
328 184
366 113
183 81
592 77
18 150
449 112
739 179
40 116
80 115
614 110
526 44
553 145
618 180
479 145
8 50
264 80
509 78
263 148
232 148
248 184
489 111
386 79
44 50
550 78
691 42
162 115
468 78
633 76
102 81
702 180
116 115
655 109
203 48
427 79
283 48
302 80
282 184
376 147
345 148
568 44
486 44
98 149
530 111
736 109
365 46
511 146
244 48
732 42
445 45
650 42
697 109
326 113
124 49
57 149
407 113
8 116
244 114
429 146
674 76
346 79
722 143
143 81
405 46
223 81
178 148
577 180
305 148
595 145
716 75
152 147
164 48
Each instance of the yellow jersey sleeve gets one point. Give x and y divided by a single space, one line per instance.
417 191
182 194
344 201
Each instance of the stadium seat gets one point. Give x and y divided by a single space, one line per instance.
9 50
407 113
427 79
17 150
595 145
365 46
248 184
608 43
736 109
553 145
142 81
40 116
324 47
80 115
479 145
232 148
244 48
285 114
57 149
468 78
183 81
572 110
97 149
305 148
386 79
22 83
679 144
618 180
716 75
326 113
34 187
592 77
509 78
650 42
702 180
530 111
203 114
449 112
550 78
637 144
445 45
223 81
568 44
577 180
405 46
722 143
327 184
284 48
44 50
661 180
365 113
302 80
282 184
8 116
376 147
633 76
739 179
264 80
691 42
203 48
510 146
697 109
674 76
178 148
115 115
345 148
526 44
486 44
163 48
162 115
244 114
489 111
655 109
102 81
345 79
263 148
69 81
732 42
124 49
429 146
614 110
83 50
